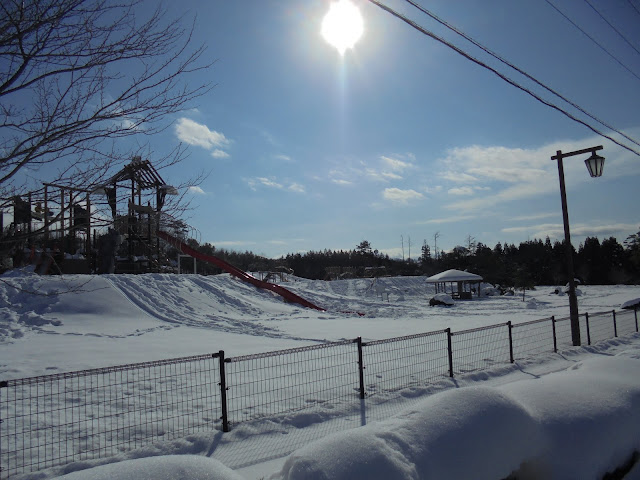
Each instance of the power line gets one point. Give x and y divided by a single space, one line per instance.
593 40
509 64
614 28
633 6
502 76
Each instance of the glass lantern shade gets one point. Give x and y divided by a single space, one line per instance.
595 164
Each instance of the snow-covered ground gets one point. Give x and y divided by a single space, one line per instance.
573 415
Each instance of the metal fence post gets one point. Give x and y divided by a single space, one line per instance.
358 341
223 392
586 317
615 324
510 340
450 351
3 384
555 340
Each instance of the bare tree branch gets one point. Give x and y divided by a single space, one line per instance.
77 75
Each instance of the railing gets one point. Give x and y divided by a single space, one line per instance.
56 419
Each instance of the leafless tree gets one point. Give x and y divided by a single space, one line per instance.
472 244
76 76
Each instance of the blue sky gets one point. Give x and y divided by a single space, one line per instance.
401 136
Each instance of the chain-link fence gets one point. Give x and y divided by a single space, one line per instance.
56 419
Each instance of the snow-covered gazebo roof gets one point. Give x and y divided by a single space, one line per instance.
463 281
454 276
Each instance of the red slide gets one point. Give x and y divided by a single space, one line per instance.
236 272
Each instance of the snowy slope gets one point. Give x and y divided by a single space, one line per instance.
52 324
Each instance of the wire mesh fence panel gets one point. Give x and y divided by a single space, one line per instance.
563 332
532 338
405 361
601 326
57 419
480 348
626 322
290 380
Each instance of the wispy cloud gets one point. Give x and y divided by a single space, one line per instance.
256 182
197 190
395 163
284 158
217 153
467 190
269 138
516 173
556 230
458 177
451 219
382 169
535 216
398 196
339 181
267 182
234 243
461 191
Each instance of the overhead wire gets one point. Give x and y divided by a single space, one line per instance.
612 27
517 69
633 6
510 81
593 39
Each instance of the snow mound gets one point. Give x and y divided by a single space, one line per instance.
489 433
445 436
170 467
631 304
441 299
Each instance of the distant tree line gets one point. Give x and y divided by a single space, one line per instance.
534 262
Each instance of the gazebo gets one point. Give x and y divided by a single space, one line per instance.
463 281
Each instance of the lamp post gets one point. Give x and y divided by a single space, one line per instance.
595 165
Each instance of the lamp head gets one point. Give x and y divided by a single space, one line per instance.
595 164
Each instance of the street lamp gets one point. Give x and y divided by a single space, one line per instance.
595 165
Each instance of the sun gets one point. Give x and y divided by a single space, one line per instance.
342 26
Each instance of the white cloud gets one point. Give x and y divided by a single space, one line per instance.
377 175
199 135
267 182
255 182
234 243
284 158
197 190
269 138
515 173
503 164
535 216
452 219
338 181
395 164
432 190
512 173
217 153
461 191
296 187
401 197
556 230
458 177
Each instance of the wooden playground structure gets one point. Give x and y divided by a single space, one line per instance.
111 227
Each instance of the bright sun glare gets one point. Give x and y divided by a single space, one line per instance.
342 26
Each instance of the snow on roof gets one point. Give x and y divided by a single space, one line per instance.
454 276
